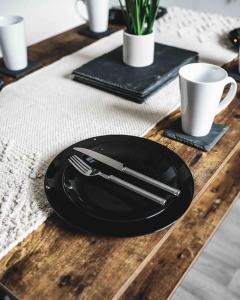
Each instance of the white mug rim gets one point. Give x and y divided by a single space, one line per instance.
10 21
182 69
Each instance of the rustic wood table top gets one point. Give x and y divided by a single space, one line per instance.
56 263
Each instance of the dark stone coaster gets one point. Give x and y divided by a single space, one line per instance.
116 16
32 66
233 72
109 73
205 143
1 84
84 30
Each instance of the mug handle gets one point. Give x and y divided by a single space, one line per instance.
78 11
230 96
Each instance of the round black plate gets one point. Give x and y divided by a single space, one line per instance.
97 205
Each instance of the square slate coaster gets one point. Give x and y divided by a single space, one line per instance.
32 66
205 143
109 73
84 30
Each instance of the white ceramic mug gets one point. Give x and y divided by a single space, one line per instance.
98 14
202 87
13 42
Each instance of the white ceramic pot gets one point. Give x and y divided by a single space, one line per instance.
138 50
13 42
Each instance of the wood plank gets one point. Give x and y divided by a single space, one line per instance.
86 268
49 255
167 268
54 263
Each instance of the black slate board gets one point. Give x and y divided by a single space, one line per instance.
32 66
204 143
109 73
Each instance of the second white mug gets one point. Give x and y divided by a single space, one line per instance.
202 87
98 14
13 42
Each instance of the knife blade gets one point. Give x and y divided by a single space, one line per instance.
122 168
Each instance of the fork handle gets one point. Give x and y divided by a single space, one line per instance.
152 181
135 188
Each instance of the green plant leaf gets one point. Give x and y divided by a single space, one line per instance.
140 15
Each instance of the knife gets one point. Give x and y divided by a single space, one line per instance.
122 168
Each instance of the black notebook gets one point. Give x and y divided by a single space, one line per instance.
109 73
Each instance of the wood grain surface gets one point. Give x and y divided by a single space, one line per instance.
56 263
165 270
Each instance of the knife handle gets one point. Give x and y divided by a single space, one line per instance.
152 181
134 188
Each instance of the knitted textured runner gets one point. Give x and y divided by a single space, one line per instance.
46 111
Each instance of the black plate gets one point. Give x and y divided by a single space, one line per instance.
96 205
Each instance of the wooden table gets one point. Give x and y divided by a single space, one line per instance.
55 263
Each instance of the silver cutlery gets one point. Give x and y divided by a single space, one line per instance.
121 167
86 170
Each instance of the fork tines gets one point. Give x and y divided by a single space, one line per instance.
79 164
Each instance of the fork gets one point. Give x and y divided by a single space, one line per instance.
86 170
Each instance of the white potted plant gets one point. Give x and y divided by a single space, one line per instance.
138 38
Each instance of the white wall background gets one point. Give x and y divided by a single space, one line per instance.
45 18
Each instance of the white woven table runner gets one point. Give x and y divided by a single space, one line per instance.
46 111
